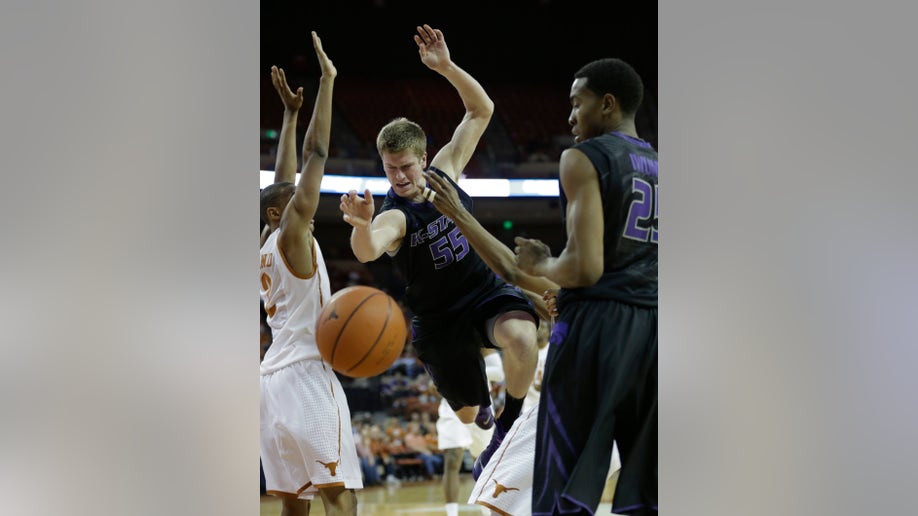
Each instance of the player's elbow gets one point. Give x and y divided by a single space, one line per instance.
363 256
593 276
587 276
315 149
488 108
366 253
483 111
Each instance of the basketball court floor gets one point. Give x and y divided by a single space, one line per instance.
407 499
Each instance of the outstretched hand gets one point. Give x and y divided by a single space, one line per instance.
442 194
432 47
358 211
328 69
292 101
530 254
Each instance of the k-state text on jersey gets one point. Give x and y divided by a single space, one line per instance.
433 229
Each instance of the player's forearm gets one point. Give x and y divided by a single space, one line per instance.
497 256
318 133
539 304
315 151
476 101
285 164
363 245
570 270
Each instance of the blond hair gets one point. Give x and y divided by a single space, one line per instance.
401 134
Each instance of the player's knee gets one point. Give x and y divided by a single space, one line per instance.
293 505
521 342
340 499
517 332
452 459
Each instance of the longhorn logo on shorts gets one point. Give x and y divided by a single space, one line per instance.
499 489
332 466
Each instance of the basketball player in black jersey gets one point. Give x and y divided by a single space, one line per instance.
600 379
459 304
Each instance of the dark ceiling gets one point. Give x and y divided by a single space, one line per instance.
513 42
496 41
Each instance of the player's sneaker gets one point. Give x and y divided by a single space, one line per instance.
496 438
485 418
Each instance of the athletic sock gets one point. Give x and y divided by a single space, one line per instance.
512 408
452 509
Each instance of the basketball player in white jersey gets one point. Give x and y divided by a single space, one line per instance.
505 483
454 436
532 397
307 445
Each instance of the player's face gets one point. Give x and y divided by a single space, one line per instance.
403 169
586 112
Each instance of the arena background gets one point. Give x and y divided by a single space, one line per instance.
129 140
523 53
524 56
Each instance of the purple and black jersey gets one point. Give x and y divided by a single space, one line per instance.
627 169
442 271
453 294
600 377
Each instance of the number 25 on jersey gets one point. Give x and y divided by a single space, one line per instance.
642 214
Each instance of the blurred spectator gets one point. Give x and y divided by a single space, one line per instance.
415 442
368 460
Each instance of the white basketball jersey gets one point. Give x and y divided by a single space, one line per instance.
532 396
293 304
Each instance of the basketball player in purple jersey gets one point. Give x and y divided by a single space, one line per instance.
459 304
600 380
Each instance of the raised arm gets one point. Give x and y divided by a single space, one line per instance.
495 254
453 156
297 217
285 164
369 240
580 264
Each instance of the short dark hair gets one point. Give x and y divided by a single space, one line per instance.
612 75
272 195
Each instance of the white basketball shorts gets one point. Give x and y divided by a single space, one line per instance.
306 437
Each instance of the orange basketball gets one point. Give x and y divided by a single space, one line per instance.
361 331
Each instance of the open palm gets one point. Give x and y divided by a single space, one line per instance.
432 47
328 69
292 101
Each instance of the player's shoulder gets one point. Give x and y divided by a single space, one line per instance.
392 201
614 139
631 143
578 156
439 172
454 182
